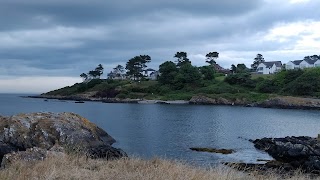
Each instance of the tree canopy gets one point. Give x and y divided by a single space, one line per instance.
182 58
93 74
313 57
168 71
136 65
256 61
207 72
118 70
211 57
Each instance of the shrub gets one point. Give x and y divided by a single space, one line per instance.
242 79
267 86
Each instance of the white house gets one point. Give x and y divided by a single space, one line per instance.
293 64
301 64
154 75
270 67
317 63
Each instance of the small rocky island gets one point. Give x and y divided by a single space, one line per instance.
36 136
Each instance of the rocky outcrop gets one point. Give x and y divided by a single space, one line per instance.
288 102
200 99
294 152
52 131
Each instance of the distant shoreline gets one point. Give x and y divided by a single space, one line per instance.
280 102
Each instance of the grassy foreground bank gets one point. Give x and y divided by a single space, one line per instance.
72 167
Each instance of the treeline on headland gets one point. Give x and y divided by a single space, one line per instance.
181 80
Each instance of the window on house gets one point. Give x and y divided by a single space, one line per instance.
260 69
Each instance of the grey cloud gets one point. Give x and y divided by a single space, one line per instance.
111 32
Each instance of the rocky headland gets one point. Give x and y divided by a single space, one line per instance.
35 136
281 102
290 154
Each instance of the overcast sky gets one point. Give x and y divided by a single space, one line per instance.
47 44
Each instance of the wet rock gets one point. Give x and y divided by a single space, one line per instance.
297 152
213 150
52 131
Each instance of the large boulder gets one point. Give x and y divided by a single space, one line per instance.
300 152
49 130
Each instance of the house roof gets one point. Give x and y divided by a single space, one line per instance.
217 67
271 63
297 62
310 61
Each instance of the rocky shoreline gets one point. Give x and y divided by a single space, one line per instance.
36 136
280 102
291 153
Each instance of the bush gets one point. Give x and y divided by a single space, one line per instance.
108 93
242 79
121 96
308 84
267 86
93 83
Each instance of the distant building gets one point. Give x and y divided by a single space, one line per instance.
116 76
148 72
270 67
220 69
154 75
301 64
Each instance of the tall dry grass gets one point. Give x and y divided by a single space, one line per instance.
72 167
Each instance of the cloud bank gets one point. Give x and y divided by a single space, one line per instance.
63 38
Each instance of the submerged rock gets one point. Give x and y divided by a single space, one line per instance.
52 131
213 150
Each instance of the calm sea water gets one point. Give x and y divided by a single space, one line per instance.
154 130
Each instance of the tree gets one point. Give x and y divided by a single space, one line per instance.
211 57
257 60
313 57
136 65
242 68
168 70
94 74
188 74
207 72
84 76
233 68
99 70
118 70
181 58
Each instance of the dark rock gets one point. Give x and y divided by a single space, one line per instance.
297 152
106 152
79 102
49 130
213 150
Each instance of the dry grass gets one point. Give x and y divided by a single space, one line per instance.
71 167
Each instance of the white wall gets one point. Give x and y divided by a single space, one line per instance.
290 65
266 70
261 67
304 64
317 63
